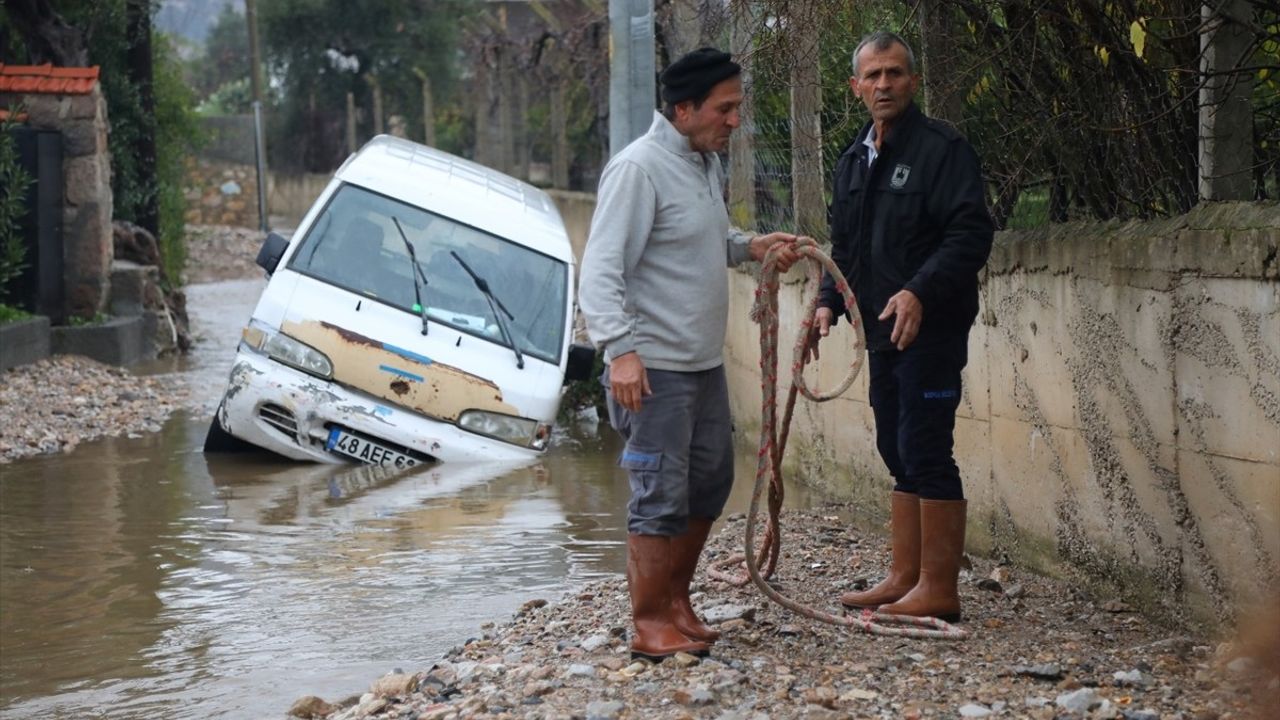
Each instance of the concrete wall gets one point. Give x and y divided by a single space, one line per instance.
1121 410
575 209
289 197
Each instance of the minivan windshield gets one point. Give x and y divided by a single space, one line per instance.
355 245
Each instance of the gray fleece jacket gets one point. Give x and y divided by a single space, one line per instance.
653 273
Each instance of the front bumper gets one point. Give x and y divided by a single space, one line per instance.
290 413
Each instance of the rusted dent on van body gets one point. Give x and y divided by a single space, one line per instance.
240 378
398 375
371 413
319 394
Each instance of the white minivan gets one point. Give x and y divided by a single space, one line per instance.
423 311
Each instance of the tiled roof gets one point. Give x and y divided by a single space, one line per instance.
47 79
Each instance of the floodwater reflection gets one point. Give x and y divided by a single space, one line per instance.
140 578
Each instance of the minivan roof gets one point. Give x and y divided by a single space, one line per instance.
459 189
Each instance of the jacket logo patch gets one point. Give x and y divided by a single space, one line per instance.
900 175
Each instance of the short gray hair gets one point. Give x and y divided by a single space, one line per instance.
883 40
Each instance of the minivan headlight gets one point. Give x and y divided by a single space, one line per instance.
515 430
284 349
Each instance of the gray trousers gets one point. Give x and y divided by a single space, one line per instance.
679 453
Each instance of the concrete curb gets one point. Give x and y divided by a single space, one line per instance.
24 342
119 341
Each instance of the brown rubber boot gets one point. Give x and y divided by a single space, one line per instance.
904 526
685 551
935 595
649 581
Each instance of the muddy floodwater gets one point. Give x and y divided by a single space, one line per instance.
141 578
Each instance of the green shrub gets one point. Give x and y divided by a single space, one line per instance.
178 133
14 182
581 394
9 313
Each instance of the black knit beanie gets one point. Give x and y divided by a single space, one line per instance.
692 76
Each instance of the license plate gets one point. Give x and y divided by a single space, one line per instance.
366 451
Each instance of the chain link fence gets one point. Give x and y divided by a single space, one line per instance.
1078 108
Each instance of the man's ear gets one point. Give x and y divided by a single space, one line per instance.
853 85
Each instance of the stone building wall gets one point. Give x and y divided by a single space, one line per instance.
1121 407
87 199
221 193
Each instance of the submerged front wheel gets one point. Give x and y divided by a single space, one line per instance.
218 440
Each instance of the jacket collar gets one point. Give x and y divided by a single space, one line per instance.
898 135
669 138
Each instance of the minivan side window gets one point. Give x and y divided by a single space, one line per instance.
355 245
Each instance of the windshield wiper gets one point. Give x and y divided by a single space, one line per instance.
416 274
483 286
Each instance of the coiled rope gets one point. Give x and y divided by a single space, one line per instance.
773 444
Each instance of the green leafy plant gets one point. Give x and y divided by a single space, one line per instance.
9 314
97 319
581 394
14 182
177 134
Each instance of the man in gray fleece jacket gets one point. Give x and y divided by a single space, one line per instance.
655 295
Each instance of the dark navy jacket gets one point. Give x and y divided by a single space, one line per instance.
918 220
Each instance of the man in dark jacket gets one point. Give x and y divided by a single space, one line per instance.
910 230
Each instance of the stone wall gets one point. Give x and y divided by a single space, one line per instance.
221 193
87 200
1121 408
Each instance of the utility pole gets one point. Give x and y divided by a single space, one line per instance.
259 129
632 81
742 161
1226 110
807 198
428 107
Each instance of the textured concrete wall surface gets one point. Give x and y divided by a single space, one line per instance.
1121 409
575 210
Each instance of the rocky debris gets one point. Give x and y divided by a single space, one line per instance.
57 403
136 244
54 405
218 252
311 707
1053 653
1046 671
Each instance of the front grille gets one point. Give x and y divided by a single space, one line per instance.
281 419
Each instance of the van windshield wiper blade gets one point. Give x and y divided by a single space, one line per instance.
483 286
416 273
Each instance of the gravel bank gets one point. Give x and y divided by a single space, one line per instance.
54 405
1040 648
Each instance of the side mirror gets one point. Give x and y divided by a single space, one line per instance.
581 359
271 251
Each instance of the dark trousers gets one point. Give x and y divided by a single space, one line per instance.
914 396
679 454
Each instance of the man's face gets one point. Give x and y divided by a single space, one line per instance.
884 82
709 127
